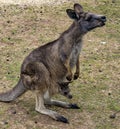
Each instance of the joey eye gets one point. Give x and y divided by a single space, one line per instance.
62 88
65 93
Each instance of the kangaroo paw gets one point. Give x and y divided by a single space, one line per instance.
62 119
76 75
74 106
69 77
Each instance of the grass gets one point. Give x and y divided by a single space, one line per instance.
97 91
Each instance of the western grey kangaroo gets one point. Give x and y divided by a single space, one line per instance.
46 69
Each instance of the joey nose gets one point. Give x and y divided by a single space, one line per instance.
103 18
70 96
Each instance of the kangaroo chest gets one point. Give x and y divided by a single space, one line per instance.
75 54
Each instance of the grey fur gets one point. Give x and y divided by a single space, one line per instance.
11 95
50 65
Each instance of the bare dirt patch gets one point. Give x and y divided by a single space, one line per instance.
33 2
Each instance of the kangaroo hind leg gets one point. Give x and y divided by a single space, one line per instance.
40 107
62 104
35 76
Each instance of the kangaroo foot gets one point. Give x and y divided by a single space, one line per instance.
54 115
62 119
74 106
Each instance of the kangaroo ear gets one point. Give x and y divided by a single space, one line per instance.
78 8
71 13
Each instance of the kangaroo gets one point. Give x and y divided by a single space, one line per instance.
47 68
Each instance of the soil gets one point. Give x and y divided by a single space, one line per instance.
33 2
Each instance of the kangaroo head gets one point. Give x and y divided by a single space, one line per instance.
86 21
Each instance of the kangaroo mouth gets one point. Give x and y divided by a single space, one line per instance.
101 24
102 21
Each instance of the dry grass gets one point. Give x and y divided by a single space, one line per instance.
97 91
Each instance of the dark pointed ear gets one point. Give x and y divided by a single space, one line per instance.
78 8
71 13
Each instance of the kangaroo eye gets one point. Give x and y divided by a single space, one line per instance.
89 18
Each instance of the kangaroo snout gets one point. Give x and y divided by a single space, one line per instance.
103 18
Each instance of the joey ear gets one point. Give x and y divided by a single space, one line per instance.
71 13
78 8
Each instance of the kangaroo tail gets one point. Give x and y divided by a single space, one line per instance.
12 94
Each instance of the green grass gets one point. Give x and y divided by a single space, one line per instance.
97 90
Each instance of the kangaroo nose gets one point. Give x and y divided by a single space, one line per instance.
103 18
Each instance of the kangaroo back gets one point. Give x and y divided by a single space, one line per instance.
12 94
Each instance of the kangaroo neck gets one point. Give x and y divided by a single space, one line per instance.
73 34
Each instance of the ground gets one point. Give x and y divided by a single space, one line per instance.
24 27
